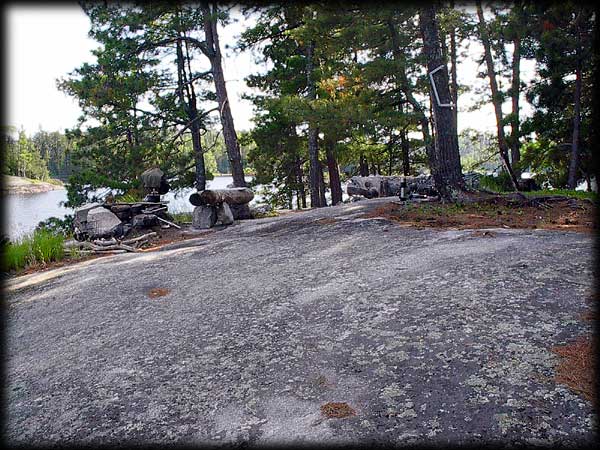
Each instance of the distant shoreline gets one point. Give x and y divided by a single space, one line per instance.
19 185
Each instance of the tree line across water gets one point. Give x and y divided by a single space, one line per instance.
349 88
42 156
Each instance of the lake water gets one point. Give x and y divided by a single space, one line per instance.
25 211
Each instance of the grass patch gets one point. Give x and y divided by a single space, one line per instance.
182 217
564 192
17 255
498 185
41 247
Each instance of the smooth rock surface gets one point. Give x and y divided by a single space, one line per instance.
101 221
224 214
432 337
204 217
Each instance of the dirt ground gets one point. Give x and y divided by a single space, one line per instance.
565 215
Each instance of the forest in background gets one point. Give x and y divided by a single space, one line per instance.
347 91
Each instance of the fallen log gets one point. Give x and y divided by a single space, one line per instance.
169 223
369 192
387 186
111 241
154 210
140 203
109 252
234 196
143 237
98 248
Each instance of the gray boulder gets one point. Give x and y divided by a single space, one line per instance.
100 222
204 216
224 214
82 212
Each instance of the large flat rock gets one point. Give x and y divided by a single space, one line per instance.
430 336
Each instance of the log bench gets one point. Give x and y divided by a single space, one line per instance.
220 205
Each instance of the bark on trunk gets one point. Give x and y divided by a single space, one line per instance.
405 86
187 97
572 182
363 167
214 56
453 72
515 150
404 145
322 189
313 144
199 158
300 192
334 174
496 97
448 174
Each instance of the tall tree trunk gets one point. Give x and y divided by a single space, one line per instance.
453 71
405 146
214 56
572 182
363 167
334 174
313 132
188 100
405 86
322 188
390 148
496 97
515 150
199 157
448 174
300 192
